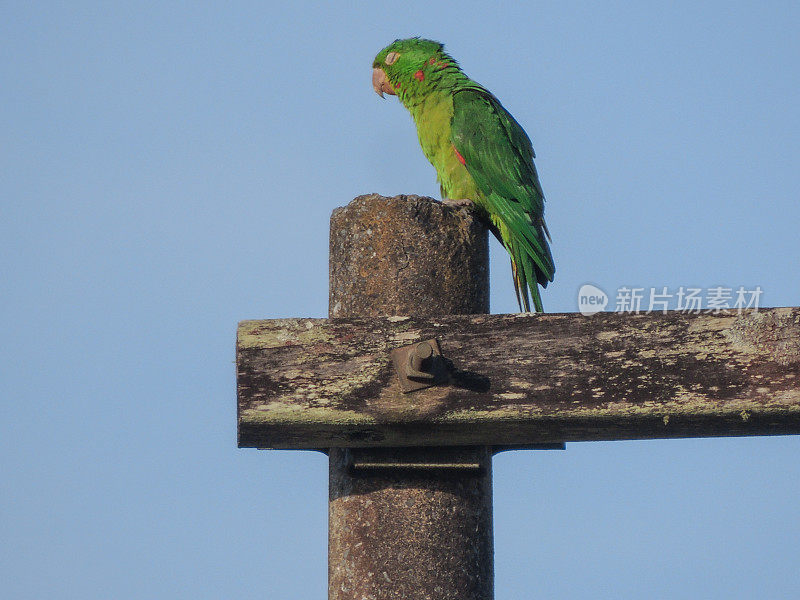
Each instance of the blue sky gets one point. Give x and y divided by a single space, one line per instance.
168 169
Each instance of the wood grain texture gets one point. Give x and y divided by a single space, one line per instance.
520 379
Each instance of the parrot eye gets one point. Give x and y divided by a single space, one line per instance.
391 58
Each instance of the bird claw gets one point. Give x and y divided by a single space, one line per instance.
458 203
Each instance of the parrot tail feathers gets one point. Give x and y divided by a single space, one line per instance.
517 286
523 270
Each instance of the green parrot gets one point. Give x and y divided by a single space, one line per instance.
482 156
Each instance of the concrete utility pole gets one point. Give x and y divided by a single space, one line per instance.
412 388
416 524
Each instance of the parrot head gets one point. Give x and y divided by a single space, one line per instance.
406 66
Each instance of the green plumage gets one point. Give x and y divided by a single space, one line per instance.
479 151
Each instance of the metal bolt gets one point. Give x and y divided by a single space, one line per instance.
419 362
419 358
420 365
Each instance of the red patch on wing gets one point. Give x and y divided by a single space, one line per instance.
432 60
419 75
459 157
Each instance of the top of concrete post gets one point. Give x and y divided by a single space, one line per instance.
407 255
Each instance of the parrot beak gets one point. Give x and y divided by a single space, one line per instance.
380 83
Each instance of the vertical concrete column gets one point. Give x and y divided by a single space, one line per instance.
408 533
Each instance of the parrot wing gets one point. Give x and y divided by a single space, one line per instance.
499 156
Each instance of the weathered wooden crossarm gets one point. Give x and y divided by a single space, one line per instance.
520 379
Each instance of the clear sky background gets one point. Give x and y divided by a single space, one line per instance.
169 168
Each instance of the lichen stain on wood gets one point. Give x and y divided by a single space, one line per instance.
776 332
525 379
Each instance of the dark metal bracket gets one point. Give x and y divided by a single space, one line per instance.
420 365
439 459
419 459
